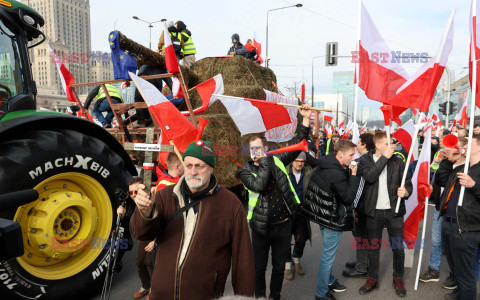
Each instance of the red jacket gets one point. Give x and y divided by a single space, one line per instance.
165 180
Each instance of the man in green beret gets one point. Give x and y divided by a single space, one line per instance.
196 249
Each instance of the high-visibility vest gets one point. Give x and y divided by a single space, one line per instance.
401 154
188 46
113 91
253 196
329 142
165 182
434 164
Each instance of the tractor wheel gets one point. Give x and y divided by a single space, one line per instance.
66 231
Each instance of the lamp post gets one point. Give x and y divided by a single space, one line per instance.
149 26
312 75
266 55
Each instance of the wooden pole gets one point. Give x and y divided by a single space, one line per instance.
187 98
177 152
270 102
147 173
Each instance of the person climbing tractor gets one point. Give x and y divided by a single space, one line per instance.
102 105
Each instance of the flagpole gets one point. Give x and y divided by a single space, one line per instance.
269 102
422 243
472 104
355 104
409 158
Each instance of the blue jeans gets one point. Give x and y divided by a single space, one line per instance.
331 239
436 251
104 106
476 265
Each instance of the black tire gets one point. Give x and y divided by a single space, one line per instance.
30 150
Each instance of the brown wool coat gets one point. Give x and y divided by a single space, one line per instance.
221 240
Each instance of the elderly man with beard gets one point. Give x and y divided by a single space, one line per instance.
201 231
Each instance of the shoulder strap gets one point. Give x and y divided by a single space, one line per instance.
180 211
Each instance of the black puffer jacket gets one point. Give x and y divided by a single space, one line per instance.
370 171
330 194
468 215
267 168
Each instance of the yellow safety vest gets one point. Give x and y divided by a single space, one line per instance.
253 196
165 182
329 141
434 164
401 154
188 46
113 91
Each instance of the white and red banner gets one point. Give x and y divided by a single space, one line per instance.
328 117
285 132
171 61
205 89
462 117
420 88
474 49
415 204
405 134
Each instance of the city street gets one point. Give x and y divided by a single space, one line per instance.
303 287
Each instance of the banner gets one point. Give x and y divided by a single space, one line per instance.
286 132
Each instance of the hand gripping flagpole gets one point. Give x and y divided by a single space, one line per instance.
409 158
474 96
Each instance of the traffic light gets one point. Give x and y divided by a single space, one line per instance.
443 108
331 54
452 108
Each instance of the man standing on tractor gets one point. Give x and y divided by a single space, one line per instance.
102 104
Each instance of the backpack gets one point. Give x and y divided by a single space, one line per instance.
177 44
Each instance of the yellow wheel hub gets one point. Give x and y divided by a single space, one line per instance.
66 229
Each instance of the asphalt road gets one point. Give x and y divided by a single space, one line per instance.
126 283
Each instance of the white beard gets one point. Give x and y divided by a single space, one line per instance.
194 185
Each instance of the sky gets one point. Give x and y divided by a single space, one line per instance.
296 35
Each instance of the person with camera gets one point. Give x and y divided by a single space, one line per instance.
461 224
328 200
383 171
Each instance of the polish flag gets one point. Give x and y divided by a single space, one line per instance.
341 125
474 49
65 76
364 128
303 92
347 130
175 126
378 76
258 45
418 91
328 117
170 57
405 134
254 116
461 117
206 89
415 204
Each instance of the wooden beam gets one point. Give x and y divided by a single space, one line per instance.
166 75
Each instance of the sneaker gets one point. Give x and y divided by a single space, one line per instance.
430 275
399 286
141 293
369 286
353 273
288 274
299 269
328 296
450 283
453 296
351 265
337 287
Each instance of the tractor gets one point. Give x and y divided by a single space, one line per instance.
73 164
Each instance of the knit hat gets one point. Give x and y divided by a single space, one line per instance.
302 155
202 150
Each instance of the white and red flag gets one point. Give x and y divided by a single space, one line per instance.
302 97
254 116
474 49
405 134
175 126
347 130
415 204
420 88
364 128
206 89
341 124
257 44
171 61
66 77
462 117
328 117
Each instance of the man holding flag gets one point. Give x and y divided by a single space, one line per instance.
461 225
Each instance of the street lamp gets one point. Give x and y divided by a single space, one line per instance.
312 75
266 55
150 26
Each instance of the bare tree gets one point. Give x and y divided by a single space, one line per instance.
294 89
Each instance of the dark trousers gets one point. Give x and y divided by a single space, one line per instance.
144 264
460 250
360 234
395 234
278 239
300 235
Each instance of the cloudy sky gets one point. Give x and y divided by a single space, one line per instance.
295 34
